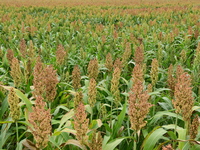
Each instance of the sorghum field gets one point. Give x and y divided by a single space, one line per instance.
100 75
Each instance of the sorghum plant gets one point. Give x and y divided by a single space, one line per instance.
93 69
76 77
154 72
16 72
92 92
60 55
109 62
13 102
81 124
115 85
184 100
194 127
138 101
40 119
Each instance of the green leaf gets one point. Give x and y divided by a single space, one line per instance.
22 97
120 119
76 143
160 114
152 138
66 117
112 144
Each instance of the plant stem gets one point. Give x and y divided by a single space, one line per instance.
174 143
135 141
17 131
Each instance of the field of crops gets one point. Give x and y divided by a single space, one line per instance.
100 75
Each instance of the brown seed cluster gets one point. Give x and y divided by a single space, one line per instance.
167 147
81 124
126 55
40 119
194 127
45 81
109 62
139 55
154 72
50 80
96 142
115 85
171 80
118 64
10 55
92 92
22 48
138 102
78 98
93 69
60 55
13 101
76 77
184 100
16 72
137 74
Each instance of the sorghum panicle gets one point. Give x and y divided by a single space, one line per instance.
41 123
171 80
139 55
16 72
179 71
38 81
126 55
76 77
22 49
197 56
78 98
184 100
138 100
13 102
51 81
81 124
118 64
31 52
92 92
167 147
137 74
138 106
194 127
115 85
154 72
60 55
96 142
10 55
109 62
93 69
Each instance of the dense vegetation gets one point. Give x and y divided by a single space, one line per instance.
100 76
